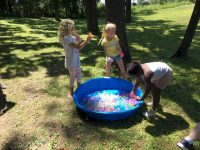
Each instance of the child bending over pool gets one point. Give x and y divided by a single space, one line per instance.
156 76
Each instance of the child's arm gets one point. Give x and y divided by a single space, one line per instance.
147 87
78 38
120 50
81 44
136 85
105 50
148 84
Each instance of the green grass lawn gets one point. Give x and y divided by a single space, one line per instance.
32 67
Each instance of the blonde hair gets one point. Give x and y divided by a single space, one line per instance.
64 26
108 26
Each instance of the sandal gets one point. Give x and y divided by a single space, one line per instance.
149 103
150 113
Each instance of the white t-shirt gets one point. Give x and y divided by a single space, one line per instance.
159 69
72 58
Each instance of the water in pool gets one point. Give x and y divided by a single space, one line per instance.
108 101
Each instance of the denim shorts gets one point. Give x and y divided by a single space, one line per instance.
115 58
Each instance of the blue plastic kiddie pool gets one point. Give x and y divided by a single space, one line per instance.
107 98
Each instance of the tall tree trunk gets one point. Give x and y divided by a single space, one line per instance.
3 7
115 13
74 9
66 11
91 16
56 10
128 11
81 7
10 7
182 51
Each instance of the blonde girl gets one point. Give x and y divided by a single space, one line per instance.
113 52
72 43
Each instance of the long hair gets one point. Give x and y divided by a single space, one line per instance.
63 28
108 26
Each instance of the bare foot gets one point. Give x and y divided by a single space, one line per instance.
1 112
69 96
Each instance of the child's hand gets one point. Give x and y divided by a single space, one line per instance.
108 59
121 54
132 95
90 36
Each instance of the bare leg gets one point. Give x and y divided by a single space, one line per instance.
156 100
79 77
187 142
108 67
195 133
78 84
122 68
71 83
156 97
71 92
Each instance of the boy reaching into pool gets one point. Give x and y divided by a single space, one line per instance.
156 76
72 43
112 49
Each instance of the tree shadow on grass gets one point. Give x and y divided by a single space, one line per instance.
9 105
128 122
4 104
54 62
152 42
149 38
184 89
78 130
152 37
158 39
163 125
183 93
46 26
18 141
20 67
5 30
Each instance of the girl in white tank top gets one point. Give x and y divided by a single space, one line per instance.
159 69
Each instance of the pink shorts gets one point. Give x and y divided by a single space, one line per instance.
164 81
75 74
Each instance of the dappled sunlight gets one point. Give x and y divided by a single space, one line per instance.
153 40
81 132
42 117
18 141
57 86
166 119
